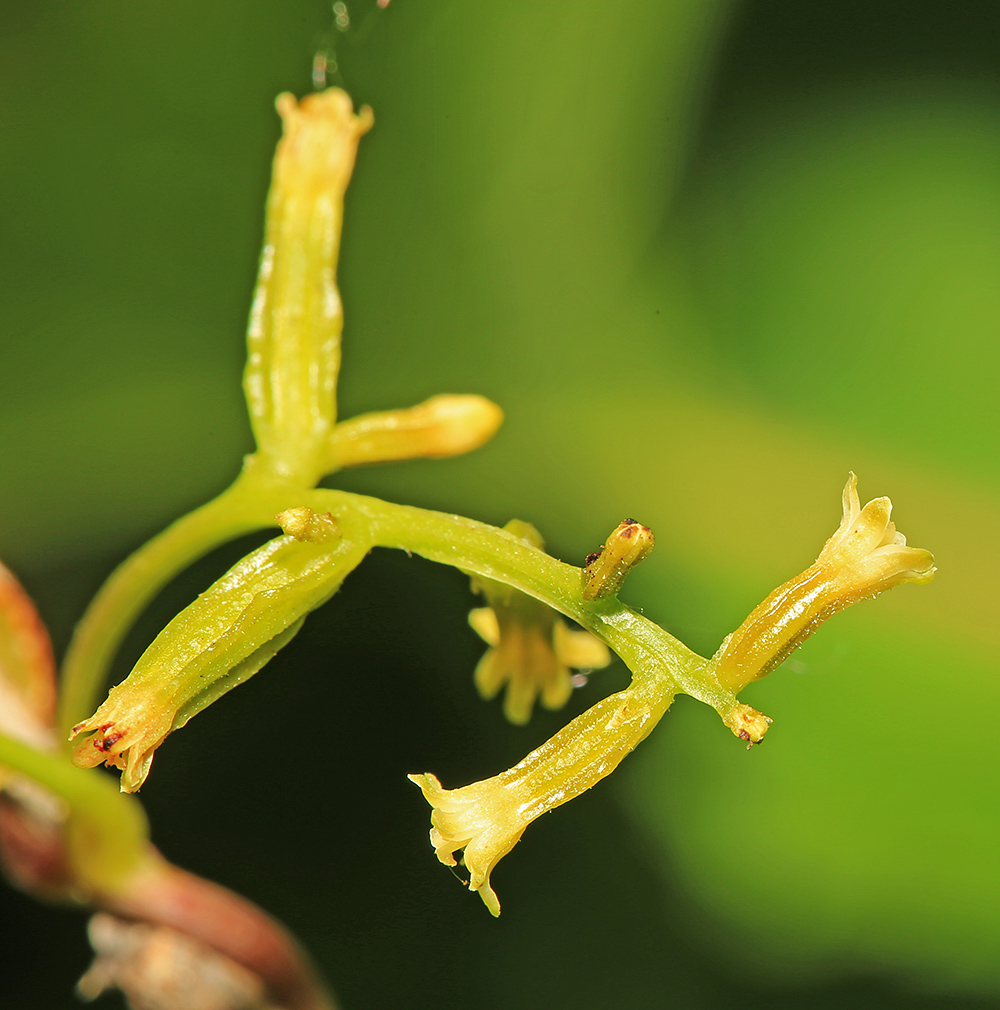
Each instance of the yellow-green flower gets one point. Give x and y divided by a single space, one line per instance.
864 557
484 818
487 818
532 653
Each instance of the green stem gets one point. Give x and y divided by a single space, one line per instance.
107 832
484 550
476 548
249 504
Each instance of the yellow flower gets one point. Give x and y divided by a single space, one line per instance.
123 735
531 649
532 653
483 818
487 818
863 558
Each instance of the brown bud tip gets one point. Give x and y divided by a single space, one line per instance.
747 723
606 569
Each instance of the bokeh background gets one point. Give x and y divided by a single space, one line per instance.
709 257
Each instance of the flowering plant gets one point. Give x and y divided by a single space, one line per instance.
65 834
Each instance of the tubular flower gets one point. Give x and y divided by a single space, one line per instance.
487 818
864 557
221 640
296 319
531 649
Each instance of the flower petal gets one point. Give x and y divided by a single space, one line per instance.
580 649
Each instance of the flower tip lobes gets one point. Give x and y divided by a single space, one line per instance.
126 745
605 571
864 557
484 819
531 651
869 549
320 140
445 425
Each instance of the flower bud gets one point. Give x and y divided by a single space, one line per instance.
296 319
444 425
604 574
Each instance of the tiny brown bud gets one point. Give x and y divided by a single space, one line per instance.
605 570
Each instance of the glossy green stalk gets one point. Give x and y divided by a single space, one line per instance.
484 550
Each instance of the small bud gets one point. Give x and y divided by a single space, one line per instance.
441 426
747 723
606 569
306 525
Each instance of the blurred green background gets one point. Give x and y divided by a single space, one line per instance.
708 257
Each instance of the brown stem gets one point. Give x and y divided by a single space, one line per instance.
227 923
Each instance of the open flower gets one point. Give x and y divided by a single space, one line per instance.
866 556
484 818
487 818
532 651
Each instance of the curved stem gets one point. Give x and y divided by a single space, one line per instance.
478 548
229 924
248 504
